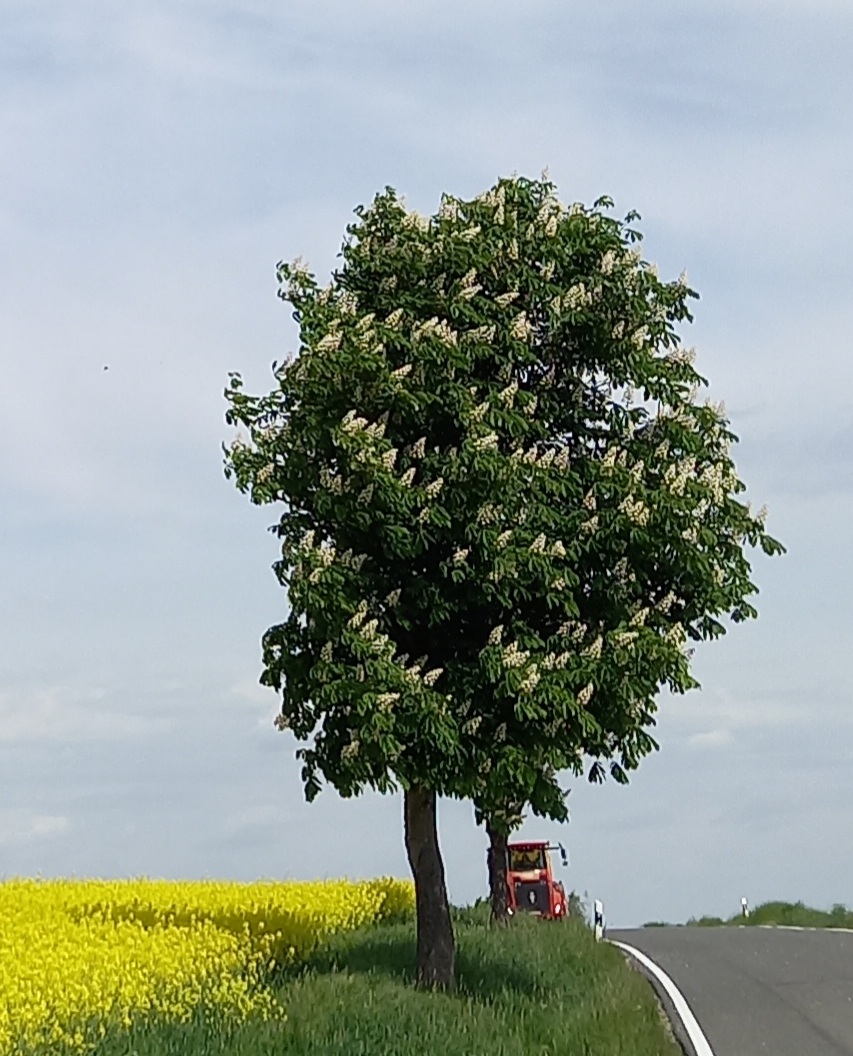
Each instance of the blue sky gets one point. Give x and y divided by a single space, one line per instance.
156 161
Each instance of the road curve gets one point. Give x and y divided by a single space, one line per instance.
758 991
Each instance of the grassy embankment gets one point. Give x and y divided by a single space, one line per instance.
792 914
533 988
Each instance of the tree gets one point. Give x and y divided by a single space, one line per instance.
468 481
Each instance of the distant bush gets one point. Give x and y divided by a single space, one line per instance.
705 922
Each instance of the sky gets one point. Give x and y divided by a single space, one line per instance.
156 161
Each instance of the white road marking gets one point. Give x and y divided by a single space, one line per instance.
694 1031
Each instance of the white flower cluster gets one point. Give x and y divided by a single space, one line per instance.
483 333
621 568
460 555
329 343
585 695
326 652
555 660
624 638
483 443
607 262
538 544
385 700
431 677
548 271
636 470
357 619
416 221
351 424
676 635
496 634
401 372
559 583
504 299
594 650
408 477
469 287
691 535
449 208
609 460
665 604
558 549
589 501
389 458
472 725
434 487
395 318
530 682
761 516
503 539
513 656
365 495
590 526
393 598
333 482
573 631
439 328
349 751
551 226
575 297
507 395
682 355
521 327
635 510
488 513
640 337
677 475
639 618
716 478
547 458
470 233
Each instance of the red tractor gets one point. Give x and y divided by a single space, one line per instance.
532 886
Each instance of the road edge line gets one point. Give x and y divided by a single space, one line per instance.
689 1023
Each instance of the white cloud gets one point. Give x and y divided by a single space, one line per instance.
61 713
23 826
711 739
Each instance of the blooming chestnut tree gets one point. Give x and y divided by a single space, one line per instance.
505 510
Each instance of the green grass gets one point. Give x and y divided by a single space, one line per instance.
796 914
533 989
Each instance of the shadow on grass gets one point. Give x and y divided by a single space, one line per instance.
485 969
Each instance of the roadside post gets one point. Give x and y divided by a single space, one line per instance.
744 907
598 920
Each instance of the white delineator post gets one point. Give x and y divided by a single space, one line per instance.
598 920
744 907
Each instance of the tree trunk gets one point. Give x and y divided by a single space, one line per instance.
435 931
498 891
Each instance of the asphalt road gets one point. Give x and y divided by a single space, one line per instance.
758 991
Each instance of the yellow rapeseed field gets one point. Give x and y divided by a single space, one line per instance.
80 956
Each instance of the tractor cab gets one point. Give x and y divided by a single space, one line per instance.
533 887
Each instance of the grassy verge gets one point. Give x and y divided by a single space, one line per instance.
533 988
795 914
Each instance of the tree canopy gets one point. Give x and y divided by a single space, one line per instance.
506 511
